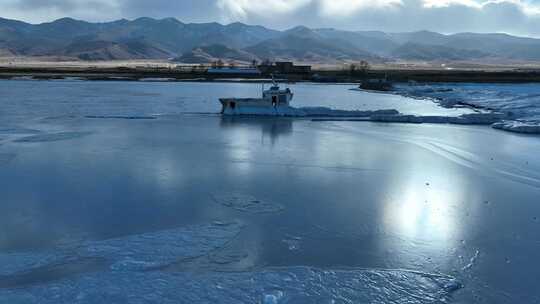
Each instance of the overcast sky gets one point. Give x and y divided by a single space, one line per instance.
521 17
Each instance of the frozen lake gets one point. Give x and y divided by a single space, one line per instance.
30 99
266 210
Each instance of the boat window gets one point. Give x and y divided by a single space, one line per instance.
233 105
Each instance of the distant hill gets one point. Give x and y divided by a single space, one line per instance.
378 43
210 53
147 38
420 37
303 44
502 45
151 38
107 50
416 51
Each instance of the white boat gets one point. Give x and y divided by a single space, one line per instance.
274 102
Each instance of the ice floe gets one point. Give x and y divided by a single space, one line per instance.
520 100
520 103
246 203
499 120
267 286
465 119
324 111
307 112
478 118
135 252
135 277
161 248
292 242
518 126
47 137
119 117
231 257
472 261
15 262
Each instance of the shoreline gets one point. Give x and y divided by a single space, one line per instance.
148 73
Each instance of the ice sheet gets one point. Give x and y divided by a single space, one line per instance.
274 285
354 177
518 126
52 137
118 117
12 263
6 158
141 251
161 248
519 102
17 130
325 111
246 203
465 119
131 279
307 112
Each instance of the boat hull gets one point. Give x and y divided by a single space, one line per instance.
255 106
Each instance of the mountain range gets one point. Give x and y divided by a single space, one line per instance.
147 38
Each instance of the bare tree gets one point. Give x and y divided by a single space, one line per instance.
360 68
266 62
220 64
352 68
364 67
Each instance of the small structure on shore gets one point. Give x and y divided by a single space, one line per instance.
284 67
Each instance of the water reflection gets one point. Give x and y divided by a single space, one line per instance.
271 128
421 215
424 214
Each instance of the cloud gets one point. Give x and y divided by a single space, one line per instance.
242 8
448 16
40 11
189 11
338 8
245 8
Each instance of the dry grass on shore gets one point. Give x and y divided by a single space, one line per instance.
61 62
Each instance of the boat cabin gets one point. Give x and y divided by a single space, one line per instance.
278 97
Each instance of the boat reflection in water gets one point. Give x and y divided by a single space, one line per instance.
271 127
